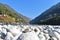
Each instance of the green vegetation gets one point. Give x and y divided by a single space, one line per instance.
6 10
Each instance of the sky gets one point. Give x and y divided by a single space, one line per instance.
30 8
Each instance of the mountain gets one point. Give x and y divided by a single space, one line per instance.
49 17
9 15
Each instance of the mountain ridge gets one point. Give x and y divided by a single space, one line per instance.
10 12
51 12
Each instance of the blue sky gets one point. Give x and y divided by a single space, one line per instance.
30 8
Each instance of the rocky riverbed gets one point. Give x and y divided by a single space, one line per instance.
29 32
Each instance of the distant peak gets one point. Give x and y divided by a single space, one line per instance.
1 3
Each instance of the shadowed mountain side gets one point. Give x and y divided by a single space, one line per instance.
49 17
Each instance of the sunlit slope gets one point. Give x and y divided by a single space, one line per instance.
7 14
